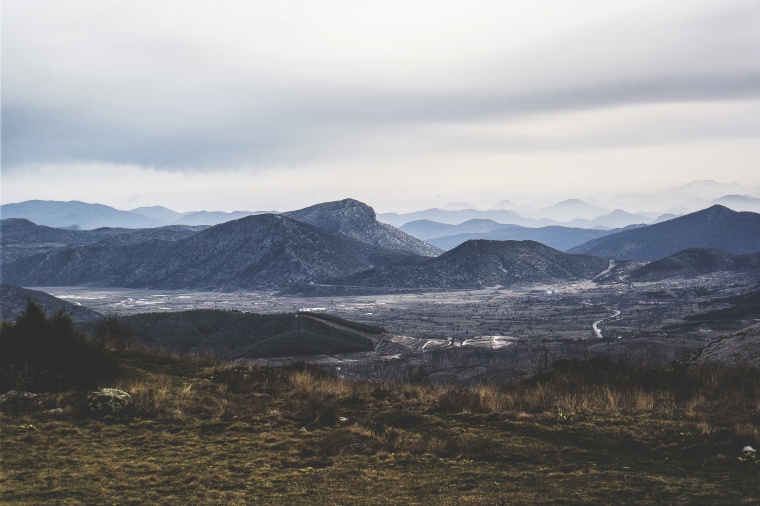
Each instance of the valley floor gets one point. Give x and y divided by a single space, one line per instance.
468 336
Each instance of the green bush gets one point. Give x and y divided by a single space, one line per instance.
41 353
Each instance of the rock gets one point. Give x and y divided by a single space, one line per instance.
109 401
16 401
55 411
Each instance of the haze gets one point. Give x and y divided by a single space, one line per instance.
403 105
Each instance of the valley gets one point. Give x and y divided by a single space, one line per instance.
469 336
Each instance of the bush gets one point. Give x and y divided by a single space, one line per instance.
50 352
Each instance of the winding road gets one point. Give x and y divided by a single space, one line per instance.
596 328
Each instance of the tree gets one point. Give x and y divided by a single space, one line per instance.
50 351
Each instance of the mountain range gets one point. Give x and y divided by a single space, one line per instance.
619 211
342 242
561 238
716 227
259 251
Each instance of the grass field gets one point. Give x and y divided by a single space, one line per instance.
593 431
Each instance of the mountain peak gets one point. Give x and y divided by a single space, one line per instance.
357 220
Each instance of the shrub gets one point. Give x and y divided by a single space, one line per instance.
52 354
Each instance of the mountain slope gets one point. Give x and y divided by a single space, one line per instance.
694 262
211 217
256 252
14 302
479 263
357 220
741 347
21 238
265 251
117 261
716 227
233 335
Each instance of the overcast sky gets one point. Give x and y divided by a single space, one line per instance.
401 104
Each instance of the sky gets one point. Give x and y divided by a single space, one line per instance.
404 105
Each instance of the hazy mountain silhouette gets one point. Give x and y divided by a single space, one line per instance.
457 217
426 229
569 210
561 238
83 215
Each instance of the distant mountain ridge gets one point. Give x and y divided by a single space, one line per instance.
716 227
481 263
75 213
561 238
457 217
87 216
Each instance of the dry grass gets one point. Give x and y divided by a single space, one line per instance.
201 432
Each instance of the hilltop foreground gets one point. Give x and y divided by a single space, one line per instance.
589 431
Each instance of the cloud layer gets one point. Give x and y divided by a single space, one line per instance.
312 88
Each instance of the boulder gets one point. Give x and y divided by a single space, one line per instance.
16 401
109 401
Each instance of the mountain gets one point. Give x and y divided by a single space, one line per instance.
127 259
740 203
561 238
695 262
571 209
457 217
21 238
80 214
741 347
14 303
426 229
264 251
683 199
507 205
160 214
479 264
233 334
716 227
354 219
212 217
616 219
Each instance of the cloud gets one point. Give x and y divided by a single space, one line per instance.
191 87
